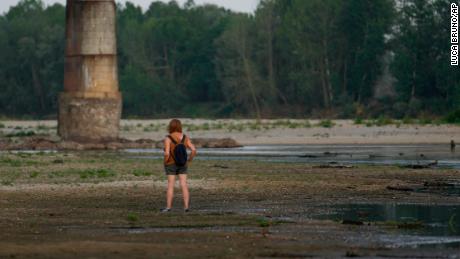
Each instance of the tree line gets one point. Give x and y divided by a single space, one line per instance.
291 58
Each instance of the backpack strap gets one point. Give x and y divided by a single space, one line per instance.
183 139
172 139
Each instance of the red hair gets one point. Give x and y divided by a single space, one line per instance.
175 126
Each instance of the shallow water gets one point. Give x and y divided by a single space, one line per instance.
413 225
344 154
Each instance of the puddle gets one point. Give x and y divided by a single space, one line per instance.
451 189
409 225
344 154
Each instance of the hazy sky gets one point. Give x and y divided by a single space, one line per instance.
237 5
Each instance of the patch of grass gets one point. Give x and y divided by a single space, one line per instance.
425 121
205 126
125 128
237 127
7 182
264 223
2 126
11 162
407 120
132 217
218 126
383 121
326 124
34 174
140 173
21 134
358 121
58 161
43 127
453 117
255 126
23 154
96 173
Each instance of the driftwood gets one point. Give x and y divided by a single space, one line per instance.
421 166
401 188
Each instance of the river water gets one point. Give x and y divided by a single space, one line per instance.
442 155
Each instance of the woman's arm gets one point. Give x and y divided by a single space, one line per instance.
189 145
167 149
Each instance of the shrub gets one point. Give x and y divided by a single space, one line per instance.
326 124
453 117
21 134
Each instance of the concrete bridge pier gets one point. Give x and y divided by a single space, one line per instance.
90 105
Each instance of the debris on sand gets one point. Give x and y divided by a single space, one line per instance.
221 166
439 184
334 166
401 188
420 166
352 222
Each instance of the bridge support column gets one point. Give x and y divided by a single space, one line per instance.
90 105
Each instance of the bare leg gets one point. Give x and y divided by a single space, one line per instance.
170 192
185 192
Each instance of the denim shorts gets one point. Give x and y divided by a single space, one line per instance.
175 170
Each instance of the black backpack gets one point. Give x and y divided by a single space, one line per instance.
179 152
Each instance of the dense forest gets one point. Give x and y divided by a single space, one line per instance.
291 58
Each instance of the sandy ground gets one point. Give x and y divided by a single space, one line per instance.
58 205
344 132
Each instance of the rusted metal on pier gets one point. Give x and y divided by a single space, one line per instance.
90 106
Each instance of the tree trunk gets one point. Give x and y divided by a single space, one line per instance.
345 71
270 68
324 87
170 68
327 72
38 87
360 92
248 73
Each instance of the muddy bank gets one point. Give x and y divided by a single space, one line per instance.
103 204
48 143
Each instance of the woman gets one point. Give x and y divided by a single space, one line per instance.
173 167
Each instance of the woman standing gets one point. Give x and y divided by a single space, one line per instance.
176 162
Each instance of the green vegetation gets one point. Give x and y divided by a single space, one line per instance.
264 223
98 173
405 224
21 134
132 217
453 117
7 182
326 124
140 173
292 58
34 174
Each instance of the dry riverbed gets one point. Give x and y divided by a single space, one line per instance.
250 132
101 204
